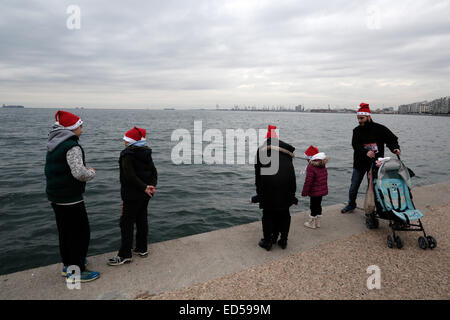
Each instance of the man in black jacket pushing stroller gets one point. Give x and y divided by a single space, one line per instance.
368 143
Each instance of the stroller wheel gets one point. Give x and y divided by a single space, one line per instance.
432 243
398 242
423 243
390 241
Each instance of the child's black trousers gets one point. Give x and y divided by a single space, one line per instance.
134 212
315 204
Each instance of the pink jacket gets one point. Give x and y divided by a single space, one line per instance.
316 184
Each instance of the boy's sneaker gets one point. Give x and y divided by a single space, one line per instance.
140 253
348 209
64 269
85 276
115 261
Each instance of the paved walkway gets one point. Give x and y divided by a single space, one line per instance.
228 264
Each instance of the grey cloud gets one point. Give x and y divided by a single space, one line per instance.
216 46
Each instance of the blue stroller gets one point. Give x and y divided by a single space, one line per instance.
393 202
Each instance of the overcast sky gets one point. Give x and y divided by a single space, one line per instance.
153 54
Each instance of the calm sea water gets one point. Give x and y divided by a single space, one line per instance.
191 199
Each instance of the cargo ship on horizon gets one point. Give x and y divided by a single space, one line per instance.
12 107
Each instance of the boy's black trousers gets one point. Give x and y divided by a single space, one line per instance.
74 233
276 222
134 212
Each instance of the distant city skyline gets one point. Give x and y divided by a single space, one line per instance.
200 53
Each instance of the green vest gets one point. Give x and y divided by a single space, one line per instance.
62 187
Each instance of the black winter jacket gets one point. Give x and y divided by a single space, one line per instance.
371 136
276 192
137 170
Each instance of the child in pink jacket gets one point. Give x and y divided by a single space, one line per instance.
316 185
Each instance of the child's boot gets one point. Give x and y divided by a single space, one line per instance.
311 223
318 221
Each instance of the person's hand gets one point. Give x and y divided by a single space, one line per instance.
92 169
150 190
397 151
371 154
250 201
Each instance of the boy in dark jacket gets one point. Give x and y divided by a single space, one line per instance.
368 143
316 184
275 190
138 178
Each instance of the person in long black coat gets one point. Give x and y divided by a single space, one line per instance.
275 191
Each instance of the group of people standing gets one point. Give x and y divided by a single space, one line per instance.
67 173
276 193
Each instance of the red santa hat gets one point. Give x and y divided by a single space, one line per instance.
134 135
271 133
68 120
311 151
364 110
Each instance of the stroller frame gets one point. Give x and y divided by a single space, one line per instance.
399 216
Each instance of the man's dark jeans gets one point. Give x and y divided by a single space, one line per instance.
357 178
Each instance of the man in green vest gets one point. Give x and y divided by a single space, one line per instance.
66 174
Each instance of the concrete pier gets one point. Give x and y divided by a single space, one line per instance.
180 263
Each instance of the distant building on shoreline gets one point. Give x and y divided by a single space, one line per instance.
437 106
345 110
298 108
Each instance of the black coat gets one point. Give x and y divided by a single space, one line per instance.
371 136
140 172
277 191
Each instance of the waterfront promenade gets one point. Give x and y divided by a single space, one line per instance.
328 263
